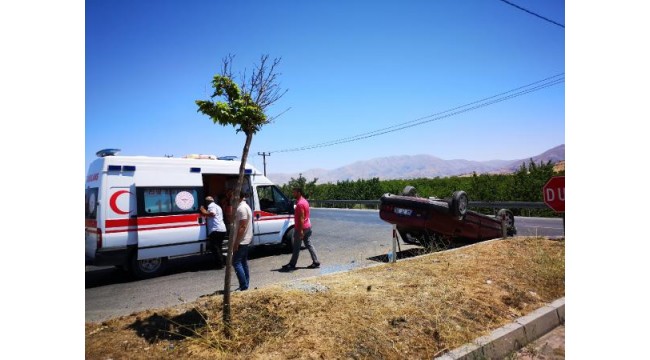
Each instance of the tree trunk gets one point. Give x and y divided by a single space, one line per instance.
233 235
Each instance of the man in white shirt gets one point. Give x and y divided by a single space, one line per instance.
216 229
243 235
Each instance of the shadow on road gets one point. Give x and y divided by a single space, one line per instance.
385 258
413 252
103 276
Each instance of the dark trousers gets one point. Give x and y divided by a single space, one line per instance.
296 247
215 243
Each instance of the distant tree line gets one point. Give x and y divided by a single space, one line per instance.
523 185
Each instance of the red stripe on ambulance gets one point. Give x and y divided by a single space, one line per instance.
150 228
158 220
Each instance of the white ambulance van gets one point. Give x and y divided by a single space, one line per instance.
141 211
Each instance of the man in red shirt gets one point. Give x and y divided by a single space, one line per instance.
301 232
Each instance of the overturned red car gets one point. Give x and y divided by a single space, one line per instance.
431 221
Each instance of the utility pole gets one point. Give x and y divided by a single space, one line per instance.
264 155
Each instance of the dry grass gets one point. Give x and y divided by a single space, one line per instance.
416 309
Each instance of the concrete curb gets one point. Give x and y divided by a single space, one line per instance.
512 337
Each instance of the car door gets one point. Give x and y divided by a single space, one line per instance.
274 215
169 222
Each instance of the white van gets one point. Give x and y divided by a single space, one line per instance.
141 211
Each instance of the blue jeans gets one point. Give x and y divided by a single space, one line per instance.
240 263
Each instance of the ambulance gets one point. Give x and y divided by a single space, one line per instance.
142 211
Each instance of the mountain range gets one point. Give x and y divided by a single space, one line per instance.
417 166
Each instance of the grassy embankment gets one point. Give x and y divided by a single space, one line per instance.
416 308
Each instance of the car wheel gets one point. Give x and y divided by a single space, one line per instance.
510 220
459 203
287 241
409 191
147 268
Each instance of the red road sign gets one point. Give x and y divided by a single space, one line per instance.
554 193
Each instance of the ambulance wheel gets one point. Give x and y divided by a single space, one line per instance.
287 241
147 268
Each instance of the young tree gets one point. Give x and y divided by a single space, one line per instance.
244 108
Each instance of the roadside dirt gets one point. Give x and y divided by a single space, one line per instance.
417 308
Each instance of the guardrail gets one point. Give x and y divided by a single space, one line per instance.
471 204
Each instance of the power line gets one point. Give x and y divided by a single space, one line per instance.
522 90
385 131
438 116
532 13
400 126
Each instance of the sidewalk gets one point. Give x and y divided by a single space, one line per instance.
548 347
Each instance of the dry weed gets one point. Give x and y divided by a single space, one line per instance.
416 308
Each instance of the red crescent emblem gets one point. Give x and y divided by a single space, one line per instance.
113 202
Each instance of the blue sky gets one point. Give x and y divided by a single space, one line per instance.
349 67
67 86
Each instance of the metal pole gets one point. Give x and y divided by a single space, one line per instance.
264 155
394 257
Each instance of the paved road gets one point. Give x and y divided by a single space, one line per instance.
527 226
344 239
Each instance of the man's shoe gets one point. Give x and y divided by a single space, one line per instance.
314 266
288 267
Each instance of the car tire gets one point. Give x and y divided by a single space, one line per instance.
287 241
459 203
510 221
409 191
147 268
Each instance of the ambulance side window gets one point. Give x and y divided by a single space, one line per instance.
157 201
91 203
167 201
